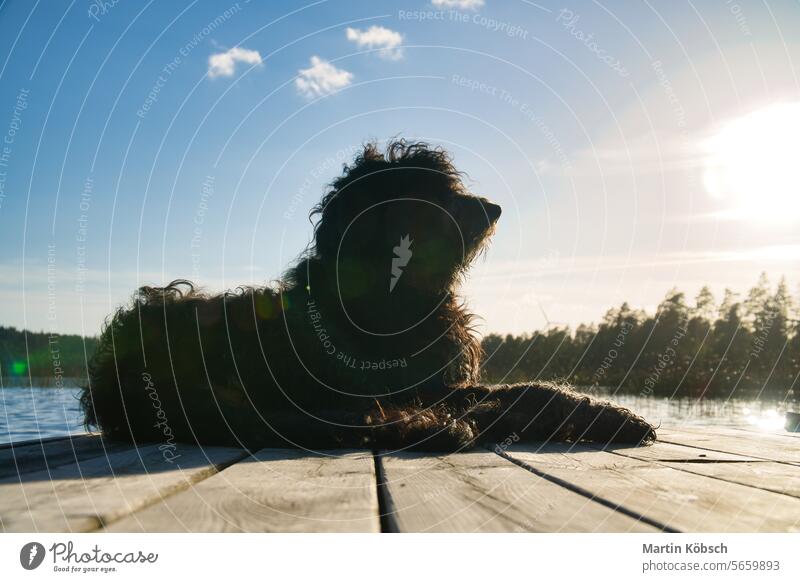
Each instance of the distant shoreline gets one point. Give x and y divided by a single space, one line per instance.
41 382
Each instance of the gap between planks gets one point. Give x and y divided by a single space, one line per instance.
764 446
480 491
683 501
85 495
459 482
781 478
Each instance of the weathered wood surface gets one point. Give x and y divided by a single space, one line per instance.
277 490
676 499
50 453
778 477
85 495
40 440
781 433
764 446
693 479
482 491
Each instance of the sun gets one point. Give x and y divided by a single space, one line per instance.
753 165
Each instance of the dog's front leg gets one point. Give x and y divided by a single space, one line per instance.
544 411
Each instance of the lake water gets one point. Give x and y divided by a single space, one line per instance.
768 416
28 413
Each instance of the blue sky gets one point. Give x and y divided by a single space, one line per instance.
153 141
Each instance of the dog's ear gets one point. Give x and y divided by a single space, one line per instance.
348 219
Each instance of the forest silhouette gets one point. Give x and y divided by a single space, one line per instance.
744 346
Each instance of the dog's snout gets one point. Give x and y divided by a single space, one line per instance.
493 211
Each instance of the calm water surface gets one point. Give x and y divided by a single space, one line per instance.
28 413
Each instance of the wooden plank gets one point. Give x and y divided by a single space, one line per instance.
670 452
277 490
37 441
778 477
480 491
782 433
682 501
85 495
761 446
731 430
50 453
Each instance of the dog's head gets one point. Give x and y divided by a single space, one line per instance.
400 223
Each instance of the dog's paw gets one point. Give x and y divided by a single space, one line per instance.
604 422
420 429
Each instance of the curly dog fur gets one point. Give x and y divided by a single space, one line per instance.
363 343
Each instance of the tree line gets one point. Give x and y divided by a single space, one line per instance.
49 359
742 346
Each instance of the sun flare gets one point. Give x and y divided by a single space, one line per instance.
753 165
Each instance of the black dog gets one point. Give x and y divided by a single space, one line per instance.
364 342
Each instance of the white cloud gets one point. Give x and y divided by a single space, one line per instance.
321 78
224 64
378 37
463 4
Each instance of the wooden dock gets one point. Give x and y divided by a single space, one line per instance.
691 480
